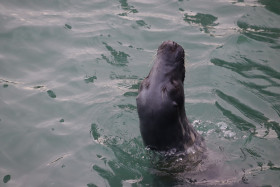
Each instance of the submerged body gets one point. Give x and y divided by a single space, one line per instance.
161 103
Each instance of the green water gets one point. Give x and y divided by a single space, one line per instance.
69 74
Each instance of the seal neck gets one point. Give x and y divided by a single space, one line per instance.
165 69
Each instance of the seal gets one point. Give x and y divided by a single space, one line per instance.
161 103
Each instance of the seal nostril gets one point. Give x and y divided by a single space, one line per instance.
169 46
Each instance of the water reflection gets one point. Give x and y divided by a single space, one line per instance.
119 58
271 5
53 91
206 21
262 28
126 167
128 8
244 69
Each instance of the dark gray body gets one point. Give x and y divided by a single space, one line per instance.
161 103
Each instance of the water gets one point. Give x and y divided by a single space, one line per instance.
69 74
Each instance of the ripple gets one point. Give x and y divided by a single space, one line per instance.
73 71
271 5
205 20
128 8
227 133
130 94
259 27
6 178
94 132
59 159
142 23
51 94
119 58
243 108
242 3
222 129
128 107
237 120
91 185
67 26
113 76
247 66
90 79
254 115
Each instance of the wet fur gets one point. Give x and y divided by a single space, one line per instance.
160 103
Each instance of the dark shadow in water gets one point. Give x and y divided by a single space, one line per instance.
238 121
119 57
244 69
126 167
51 94
91 185
261 89
128 8
133 87
134 166
142 23
264 94
252 152
243 108
250 113
94 131
114 76
200 170
128 107
271 5
130 94
261 33
205 20
115 177
6 178
248 65
90 79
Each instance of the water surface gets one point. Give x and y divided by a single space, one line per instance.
70 71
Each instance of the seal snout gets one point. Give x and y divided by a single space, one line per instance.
171 50
169 45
